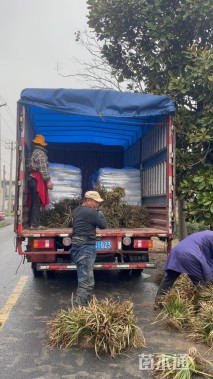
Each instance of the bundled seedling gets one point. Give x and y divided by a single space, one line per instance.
202 330
204 294
181 366
106 325
118 213
186 289
60 215
191 307
176 311
195 295
113 196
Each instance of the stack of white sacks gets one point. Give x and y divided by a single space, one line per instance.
127 178
67 181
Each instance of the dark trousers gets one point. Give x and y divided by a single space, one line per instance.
34 213
168 281
84 258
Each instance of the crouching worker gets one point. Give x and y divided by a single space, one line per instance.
38 181
192 256
86 218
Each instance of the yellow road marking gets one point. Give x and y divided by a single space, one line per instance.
5 311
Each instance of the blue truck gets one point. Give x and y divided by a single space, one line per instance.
92 129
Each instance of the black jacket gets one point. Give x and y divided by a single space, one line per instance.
85 222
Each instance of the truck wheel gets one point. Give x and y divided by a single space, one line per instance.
36 273
124 273
137 272
50 274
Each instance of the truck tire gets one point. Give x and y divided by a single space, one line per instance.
124 273
50 274
137 272
36 273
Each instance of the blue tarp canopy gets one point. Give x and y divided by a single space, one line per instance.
94 116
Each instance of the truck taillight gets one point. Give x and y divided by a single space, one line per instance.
144 244
43 243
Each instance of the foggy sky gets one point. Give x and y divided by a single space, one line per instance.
35 37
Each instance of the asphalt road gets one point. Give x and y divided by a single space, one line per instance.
30 302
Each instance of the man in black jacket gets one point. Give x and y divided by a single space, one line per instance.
86 218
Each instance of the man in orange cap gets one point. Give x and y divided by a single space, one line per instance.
38 180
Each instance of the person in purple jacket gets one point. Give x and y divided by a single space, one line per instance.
192 256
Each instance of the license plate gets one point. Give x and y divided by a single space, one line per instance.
103 245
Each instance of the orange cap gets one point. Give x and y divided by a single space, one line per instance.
39 139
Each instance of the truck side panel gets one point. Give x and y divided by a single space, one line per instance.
154 154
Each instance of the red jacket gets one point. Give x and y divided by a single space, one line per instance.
41 189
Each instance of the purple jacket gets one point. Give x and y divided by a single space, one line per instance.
193 256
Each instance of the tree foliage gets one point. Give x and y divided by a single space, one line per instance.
165 47
198 190
146 39
193 92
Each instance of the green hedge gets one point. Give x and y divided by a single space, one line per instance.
193 227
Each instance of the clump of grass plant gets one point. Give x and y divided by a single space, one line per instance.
186 288
118 212
181 366
204 294
189 307
61 215
176 311
107 326
202 329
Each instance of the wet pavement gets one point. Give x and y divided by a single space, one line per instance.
23 339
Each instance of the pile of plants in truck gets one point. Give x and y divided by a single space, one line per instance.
118 212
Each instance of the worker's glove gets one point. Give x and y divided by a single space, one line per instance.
49 185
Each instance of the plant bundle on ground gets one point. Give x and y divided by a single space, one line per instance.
189 307
181 366
176 310
202 329
186 289
107 326
202 292
118 213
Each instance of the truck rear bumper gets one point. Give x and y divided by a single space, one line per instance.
97 266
